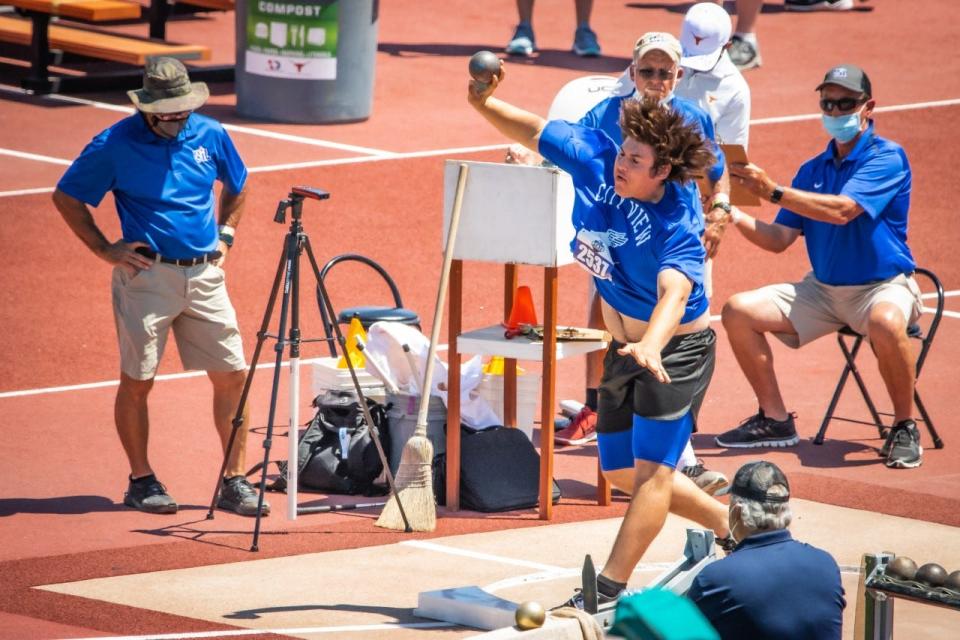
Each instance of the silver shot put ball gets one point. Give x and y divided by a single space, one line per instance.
484 65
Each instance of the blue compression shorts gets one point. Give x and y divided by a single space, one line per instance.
660 441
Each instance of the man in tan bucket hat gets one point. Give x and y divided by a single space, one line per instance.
161 164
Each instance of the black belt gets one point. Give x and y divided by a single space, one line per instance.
180 262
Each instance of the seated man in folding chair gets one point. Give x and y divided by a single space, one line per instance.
850 203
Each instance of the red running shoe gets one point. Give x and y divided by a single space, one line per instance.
582 429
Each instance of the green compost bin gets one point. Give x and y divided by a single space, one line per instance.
306 61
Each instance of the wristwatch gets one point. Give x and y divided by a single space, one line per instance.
777 194
226 235
721 204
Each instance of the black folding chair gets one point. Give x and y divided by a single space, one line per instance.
916 331
367 314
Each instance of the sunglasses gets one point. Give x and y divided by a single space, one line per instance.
663 74
843 104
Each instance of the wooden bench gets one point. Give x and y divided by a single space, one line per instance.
213 5
93 44
89 10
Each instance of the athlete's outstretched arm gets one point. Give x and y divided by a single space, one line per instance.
513 122
674 289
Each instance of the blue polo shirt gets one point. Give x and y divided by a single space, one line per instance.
872 246
772 587
163 188
639 239
606 116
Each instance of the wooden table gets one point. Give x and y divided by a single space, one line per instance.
513 215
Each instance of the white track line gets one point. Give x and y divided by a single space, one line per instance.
195 374
380 154
114 383
433 546
236 633
35 156
26 192
911 106
229 127
398 156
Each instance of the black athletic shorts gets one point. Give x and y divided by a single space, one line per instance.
627 388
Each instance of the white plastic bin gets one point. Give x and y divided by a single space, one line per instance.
327 376
528 394
402 413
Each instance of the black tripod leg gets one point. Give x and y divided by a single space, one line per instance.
325 298
238 417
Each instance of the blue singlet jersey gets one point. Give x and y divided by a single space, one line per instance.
625 242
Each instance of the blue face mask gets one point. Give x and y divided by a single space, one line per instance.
842 128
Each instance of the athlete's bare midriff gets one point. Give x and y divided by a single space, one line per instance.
625 329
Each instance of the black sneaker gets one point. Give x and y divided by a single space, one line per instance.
148 495
760 431
604 603
239 496
905 451
743 54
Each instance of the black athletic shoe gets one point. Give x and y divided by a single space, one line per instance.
239 496
603 602
904 451
760 431
148 495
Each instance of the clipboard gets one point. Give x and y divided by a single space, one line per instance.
739 195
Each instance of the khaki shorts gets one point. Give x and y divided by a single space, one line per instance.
191 300
816 309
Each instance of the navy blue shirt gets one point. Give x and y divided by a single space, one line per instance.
872 246
625 243
606 116
772 587
163 188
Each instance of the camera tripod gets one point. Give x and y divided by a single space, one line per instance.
288 273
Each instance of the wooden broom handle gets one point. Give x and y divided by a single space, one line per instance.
421 428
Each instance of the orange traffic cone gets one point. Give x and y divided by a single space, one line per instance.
355 355
523 311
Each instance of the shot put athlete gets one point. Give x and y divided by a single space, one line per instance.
638 222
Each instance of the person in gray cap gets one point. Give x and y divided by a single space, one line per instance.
770 586
161 164
851 205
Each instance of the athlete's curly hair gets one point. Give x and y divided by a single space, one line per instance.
674 140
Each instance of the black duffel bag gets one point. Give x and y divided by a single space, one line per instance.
499 471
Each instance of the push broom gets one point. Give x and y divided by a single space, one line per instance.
414 480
